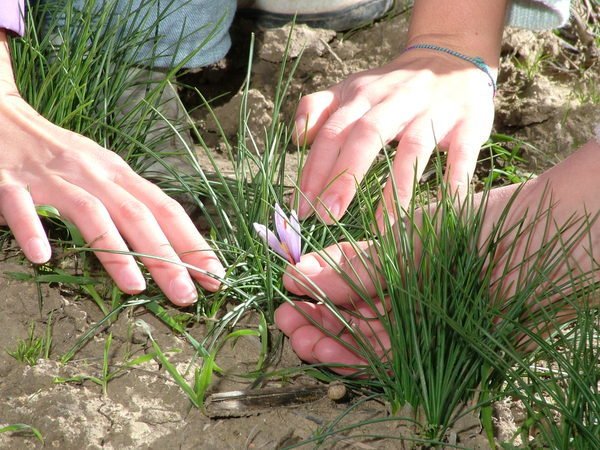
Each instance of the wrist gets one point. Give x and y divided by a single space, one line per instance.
470 27
476 61
456 44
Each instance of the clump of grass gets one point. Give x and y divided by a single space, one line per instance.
504 164
587 90
559 383
204 374
531 67
76 66
33 348
464 308
107 373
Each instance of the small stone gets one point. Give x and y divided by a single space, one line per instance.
337 391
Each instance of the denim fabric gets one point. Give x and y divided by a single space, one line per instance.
538 14
181 28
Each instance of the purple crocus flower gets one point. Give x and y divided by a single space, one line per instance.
287 241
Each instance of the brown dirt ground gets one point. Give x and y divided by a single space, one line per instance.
143 407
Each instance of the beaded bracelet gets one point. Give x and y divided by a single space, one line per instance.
476 61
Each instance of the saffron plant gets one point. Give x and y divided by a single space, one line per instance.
287 241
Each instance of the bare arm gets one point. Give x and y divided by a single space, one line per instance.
471 27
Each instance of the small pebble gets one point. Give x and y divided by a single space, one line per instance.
337 391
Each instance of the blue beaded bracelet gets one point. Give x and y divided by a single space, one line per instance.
476 61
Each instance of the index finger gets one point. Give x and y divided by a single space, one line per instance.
344 273
312 112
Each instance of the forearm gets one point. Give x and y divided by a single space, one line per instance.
472 27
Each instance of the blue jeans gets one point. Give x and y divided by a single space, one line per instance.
180 27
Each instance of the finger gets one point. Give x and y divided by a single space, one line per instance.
414 150
303 341
180 231
313 346
312 112
289 317
366 137
18 211
324 153
140 228
345 349
95 224
365 318
315 341
369 317
344 274
315 109
465 144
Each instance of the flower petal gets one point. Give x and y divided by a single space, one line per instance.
269 237
288 231
294 238
281 222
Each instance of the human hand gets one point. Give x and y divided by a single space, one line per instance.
311 327
421 99
114 208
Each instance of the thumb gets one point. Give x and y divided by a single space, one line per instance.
343 273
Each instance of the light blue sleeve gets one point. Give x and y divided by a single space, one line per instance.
538 14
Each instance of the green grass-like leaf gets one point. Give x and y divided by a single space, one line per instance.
24 429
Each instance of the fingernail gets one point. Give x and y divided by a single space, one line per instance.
38 250
309 266
134 281
330 207
305 208
215 268
183 291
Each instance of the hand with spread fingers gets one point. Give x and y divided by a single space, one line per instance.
114 208
439 92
